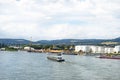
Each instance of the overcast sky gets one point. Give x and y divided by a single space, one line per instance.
59 19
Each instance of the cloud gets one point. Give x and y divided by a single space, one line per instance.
58 19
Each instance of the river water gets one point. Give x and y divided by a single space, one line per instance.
35 66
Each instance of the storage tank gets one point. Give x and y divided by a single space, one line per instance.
117 49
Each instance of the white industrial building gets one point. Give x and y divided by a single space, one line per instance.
96 49
89 48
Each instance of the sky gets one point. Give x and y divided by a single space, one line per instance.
59 19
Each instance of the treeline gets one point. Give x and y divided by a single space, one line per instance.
57 47
2 45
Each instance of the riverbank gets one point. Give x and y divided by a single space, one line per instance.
22 65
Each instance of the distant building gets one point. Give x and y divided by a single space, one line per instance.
2 49
28 48
15 47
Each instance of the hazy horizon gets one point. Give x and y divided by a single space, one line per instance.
59 19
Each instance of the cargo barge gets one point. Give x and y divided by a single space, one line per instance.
57 58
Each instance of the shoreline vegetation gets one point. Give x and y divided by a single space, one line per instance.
65 52
64 49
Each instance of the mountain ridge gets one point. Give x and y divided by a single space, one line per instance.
59 41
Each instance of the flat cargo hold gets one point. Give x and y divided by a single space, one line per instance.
56 58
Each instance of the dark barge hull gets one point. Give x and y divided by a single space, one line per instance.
109 57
